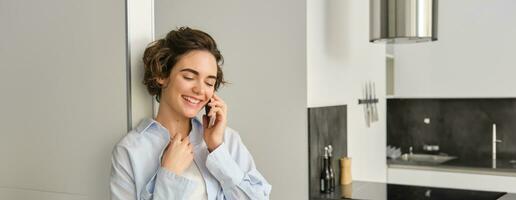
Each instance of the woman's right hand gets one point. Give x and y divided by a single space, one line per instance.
178 155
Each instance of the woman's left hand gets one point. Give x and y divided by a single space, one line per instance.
214 135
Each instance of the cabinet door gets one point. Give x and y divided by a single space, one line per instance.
63 97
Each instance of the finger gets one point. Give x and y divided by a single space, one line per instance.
214 111
177 138
220 112
215 103
218 104
186 140
221 107
217 98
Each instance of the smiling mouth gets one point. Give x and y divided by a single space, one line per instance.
191 100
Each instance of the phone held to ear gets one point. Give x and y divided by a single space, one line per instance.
207 109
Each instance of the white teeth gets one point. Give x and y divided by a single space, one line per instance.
191 100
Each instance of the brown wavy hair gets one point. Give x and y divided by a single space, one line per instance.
161 55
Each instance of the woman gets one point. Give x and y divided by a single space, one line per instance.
175 156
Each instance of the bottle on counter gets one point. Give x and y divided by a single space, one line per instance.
330 166
324 181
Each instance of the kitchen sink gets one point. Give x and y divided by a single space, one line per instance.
427 158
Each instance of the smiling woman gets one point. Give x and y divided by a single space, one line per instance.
163 54
154 161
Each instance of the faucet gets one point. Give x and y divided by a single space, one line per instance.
494 142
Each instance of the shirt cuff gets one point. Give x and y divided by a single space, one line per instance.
222 166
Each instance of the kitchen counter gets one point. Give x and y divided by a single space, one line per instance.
384 191
501 167
500 164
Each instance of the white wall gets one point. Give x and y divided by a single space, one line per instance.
340 61
264 45
473 56
63 104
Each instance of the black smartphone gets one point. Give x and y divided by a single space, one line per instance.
207 109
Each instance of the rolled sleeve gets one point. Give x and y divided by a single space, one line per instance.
220 163
233 166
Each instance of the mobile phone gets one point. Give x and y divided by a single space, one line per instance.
207 109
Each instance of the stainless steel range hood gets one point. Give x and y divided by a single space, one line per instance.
402 21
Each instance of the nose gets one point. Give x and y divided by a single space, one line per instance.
199 88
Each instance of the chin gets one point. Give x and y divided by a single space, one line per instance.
190 113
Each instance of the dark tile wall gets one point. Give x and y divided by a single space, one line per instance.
326 125
461 127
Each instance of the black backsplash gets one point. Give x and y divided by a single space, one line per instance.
326 125
461 127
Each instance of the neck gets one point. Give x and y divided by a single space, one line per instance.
174 122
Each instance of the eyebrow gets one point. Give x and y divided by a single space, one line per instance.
196 73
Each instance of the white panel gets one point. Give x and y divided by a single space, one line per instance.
140 16
340 61
63 105
264 46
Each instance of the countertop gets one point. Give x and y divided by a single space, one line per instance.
384 191
479 166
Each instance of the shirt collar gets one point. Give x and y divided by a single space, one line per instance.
195 136
144 125
197 132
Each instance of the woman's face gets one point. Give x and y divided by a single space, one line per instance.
190 85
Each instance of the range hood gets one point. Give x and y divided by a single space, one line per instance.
402 21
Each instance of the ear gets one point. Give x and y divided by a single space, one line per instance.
162 81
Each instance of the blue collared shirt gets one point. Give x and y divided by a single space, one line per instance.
229 171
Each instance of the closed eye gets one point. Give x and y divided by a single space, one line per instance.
190 74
